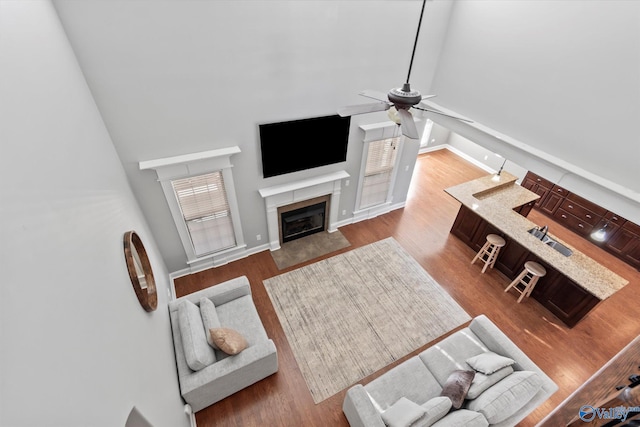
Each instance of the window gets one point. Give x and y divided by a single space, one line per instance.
201 197
206 213
379 167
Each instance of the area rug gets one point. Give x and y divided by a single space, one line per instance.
308 247
350 315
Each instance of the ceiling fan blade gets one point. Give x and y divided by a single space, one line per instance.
428 97
352 110
407 125
443 114
373 94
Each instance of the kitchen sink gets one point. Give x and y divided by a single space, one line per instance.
537 233
540 235
559 247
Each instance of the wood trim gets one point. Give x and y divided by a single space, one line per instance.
600 389
303 204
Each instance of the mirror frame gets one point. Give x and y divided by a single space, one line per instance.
148 296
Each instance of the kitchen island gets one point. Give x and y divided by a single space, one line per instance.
573 285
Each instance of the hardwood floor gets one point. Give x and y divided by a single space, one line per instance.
568 356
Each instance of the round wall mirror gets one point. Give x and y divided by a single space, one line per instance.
140 271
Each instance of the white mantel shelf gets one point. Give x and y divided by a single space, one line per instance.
188 158
305 183
296 191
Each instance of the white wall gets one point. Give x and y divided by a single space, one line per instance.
484 158
177 77
562 77
76 347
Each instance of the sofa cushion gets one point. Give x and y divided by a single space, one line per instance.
481 382
457 386
463 418
451 353
403 413
241 315
197 352
489 362
410 379
228 340
507 396
435 409
209 319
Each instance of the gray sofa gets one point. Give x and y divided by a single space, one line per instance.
501 399
217 374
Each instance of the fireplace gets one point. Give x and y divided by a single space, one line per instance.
297 194
302 222
303 218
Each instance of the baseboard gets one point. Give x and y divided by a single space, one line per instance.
458 153
365 214
191 270
191 415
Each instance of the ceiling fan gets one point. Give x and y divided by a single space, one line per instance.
402 99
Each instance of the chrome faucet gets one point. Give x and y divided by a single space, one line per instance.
544 231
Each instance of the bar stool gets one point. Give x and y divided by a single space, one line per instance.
489 251
529 277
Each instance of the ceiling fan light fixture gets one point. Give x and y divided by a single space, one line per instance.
394 116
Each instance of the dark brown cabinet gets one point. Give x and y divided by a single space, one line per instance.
511 259
563 297
572 222
579 214
625 243
525 209
554 200
538 185
465 226
583 217
556 292
472 229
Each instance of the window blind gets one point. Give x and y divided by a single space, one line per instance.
381 158
205 210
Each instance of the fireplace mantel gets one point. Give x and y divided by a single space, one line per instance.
297 191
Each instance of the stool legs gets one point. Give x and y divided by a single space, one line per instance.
529 277
489 251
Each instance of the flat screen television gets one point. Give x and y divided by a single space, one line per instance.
303 144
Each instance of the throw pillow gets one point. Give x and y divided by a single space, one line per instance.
481 382
489 362
197 352
228 340
457 386
209 318
403 413
435 409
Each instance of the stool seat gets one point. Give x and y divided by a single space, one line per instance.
488 253
535 268
494 239
529 277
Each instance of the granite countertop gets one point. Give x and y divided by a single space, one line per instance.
494 202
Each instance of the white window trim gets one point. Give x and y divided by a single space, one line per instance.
184 166
376 132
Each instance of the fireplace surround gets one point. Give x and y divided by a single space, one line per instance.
303 218
296 194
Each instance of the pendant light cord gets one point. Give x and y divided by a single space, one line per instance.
415 43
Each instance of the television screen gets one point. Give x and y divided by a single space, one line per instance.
303 144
